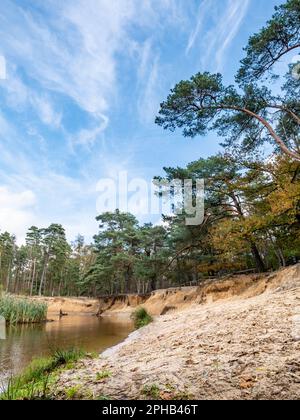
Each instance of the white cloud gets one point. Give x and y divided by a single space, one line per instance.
16 211
87 136
72 49
224 20
74 54
18 200
204 8
21 97
145 56
2 68
53 199
149 77
46 111
230 27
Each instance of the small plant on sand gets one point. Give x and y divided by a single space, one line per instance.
183 396
73 392
102 398
151 391
141 318
103 375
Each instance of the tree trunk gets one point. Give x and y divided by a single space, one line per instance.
43 275
33 277
260 265
8 278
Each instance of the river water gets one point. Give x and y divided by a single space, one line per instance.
25 342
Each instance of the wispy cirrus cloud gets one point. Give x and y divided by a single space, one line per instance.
84 82
205 7
149 82
73 48
73 54
224 20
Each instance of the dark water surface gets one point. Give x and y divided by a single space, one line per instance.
25 342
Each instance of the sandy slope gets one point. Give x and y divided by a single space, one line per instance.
241 347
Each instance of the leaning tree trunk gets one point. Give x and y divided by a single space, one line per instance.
260 265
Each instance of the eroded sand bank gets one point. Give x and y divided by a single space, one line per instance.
233 342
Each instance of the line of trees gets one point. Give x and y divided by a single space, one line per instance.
252 201
45 265
252 221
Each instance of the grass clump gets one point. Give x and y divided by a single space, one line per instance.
152 391
141 318
17 310
35 381
73 392
103 398
103 375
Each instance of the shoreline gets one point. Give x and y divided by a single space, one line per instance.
212 342
240 347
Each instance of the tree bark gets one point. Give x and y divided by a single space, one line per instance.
260 265
43 275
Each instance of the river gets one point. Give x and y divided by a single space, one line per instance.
25 342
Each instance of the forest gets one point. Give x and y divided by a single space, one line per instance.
252 190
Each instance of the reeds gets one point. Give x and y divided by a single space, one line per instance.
17 310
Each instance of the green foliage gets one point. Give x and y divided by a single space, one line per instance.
22 311
103 375
103 398
249 114
73 392
204 104
128 257
46 265
141 318
151 391
280 36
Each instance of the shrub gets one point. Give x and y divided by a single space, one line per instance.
141 318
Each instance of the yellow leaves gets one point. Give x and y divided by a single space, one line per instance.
285 199
227 238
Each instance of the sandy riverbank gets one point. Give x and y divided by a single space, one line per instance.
177 299
70 305
217 345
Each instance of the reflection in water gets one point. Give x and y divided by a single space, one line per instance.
25 342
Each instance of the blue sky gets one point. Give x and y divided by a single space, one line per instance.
84 79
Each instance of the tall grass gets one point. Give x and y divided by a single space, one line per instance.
37 379
141 318
17 310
